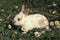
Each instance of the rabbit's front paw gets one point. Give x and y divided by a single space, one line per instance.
24 30
48 29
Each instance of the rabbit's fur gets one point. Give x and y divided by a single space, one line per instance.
28 22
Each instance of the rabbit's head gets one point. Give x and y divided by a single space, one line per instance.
19 17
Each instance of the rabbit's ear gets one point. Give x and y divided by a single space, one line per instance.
27 11
23 8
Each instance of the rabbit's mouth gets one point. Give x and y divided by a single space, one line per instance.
15 23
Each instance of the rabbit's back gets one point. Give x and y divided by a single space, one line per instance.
36 20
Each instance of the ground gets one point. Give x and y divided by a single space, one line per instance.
49 8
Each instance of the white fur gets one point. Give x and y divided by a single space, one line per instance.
28 22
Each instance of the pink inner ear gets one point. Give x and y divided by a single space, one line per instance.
23 7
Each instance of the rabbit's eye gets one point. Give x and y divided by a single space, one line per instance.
18 19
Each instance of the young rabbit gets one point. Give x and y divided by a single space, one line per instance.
28 22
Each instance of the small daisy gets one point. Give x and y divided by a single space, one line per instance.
15 32
0 19
54 12
51 23
2 10
58 26
54 4
37 34
16 7
9 26
57 23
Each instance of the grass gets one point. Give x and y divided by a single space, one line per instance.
7 7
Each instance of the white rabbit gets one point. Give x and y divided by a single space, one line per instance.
28 22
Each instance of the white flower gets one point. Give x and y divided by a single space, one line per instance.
51 23
2 10
9 26
54 4
58 26
54 12
15 32
57 23
0 19
16 7
37 34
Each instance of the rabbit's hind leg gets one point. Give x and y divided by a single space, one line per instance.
47 28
